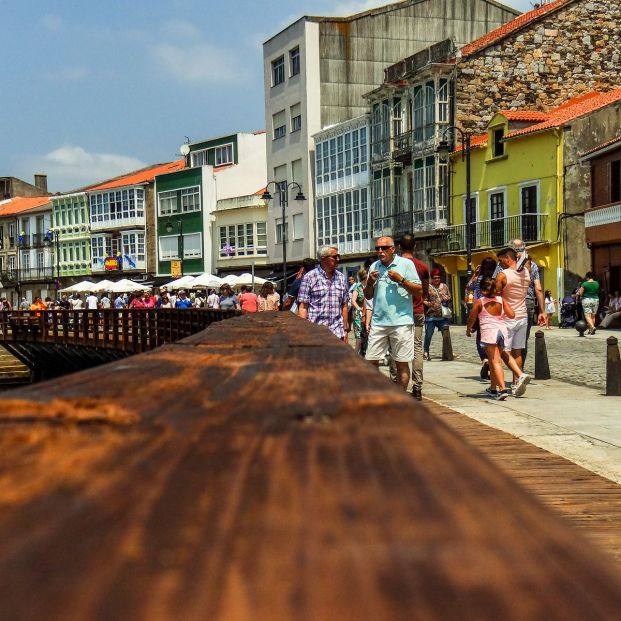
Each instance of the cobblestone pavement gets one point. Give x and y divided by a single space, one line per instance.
571 358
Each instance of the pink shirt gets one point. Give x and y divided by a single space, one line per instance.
248 302
516 289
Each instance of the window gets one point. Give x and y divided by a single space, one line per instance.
498 146
243 239
279 232
214 156
497 217
529 209
278 71
169 248
99 250
344 217
279 123
298 226
117 205
167 202
294 61
133 248
430 109
192 246
223 155
191 199
296 118
296 170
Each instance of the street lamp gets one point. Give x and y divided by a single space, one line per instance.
280 190
169 229
443 149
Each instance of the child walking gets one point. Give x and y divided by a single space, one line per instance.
550 307
492 311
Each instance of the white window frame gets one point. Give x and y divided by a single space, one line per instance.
223 155
169 254
294 61
193 196
278 70
197 249
298 226
163 199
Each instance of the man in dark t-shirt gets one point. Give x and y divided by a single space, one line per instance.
407 245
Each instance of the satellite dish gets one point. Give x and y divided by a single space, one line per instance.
184 149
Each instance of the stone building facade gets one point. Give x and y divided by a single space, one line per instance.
563 49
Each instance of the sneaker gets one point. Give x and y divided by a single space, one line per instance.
417 393
501 395
491 393
520 385
485 370
426 356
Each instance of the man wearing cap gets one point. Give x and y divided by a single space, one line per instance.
513 286
391 283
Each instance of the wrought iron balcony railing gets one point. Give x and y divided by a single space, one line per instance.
35 274
497 233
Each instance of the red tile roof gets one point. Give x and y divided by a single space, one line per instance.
475 141
524 115
19 204
608 143
573 109
138 177
510 27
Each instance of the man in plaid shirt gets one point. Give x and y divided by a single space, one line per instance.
324 294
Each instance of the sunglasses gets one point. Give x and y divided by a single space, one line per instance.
378 248
336 257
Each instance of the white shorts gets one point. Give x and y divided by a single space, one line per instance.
516 333
399 339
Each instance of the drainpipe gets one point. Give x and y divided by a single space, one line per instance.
560 208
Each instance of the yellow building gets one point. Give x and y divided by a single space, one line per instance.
516 193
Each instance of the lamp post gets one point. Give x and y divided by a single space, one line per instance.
51 237
443 149
169 229
280 190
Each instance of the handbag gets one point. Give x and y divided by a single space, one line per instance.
447 313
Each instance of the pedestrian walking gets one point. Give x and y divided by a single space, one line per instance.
438 298
268 299
357 305
228 300
407 246
323 295
248 300
550 304
391 284
290 299
492 311
213 299
513 285
589 292
183 301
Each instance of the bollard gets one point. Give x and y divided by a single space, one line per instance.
613 368
581 326
447 346
542 368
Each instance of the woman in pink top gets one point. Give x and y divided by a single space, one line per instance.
492 310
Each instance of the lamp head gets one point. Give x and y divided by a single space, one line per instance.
169 227
299 196
266 196
443 150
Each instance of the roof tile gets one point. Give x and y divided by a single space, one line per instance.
19 204
144 175
503 31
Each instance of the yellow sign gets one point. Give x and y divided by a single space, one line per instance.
175 269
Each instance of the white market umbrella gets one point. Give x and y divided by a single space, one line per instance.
246 279
80 287
208 281
126 286
103 286
231 279
181 283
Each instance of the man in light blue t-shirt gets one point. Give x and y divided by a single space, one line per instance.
391 283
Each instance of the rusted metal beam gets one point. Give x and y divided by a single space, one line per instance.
261 470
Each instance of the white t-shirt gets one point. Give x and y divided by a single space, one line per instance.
76 303
213 300
91 302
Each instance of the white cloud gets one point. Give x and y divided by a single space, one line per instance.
198 62
51 22
70 167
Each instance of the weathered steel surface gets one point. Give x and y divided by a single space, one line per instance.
262 471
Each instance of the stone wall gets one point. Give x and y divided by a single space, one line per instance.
571 51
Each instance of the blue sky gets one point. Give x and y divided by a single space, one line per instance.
93 89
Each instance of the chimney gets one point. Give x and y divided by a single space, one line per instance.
40 181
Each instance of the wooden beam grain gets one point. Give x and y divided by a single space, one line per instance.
261 470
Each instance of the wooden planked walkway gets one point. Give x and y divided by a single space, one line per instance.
590 502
